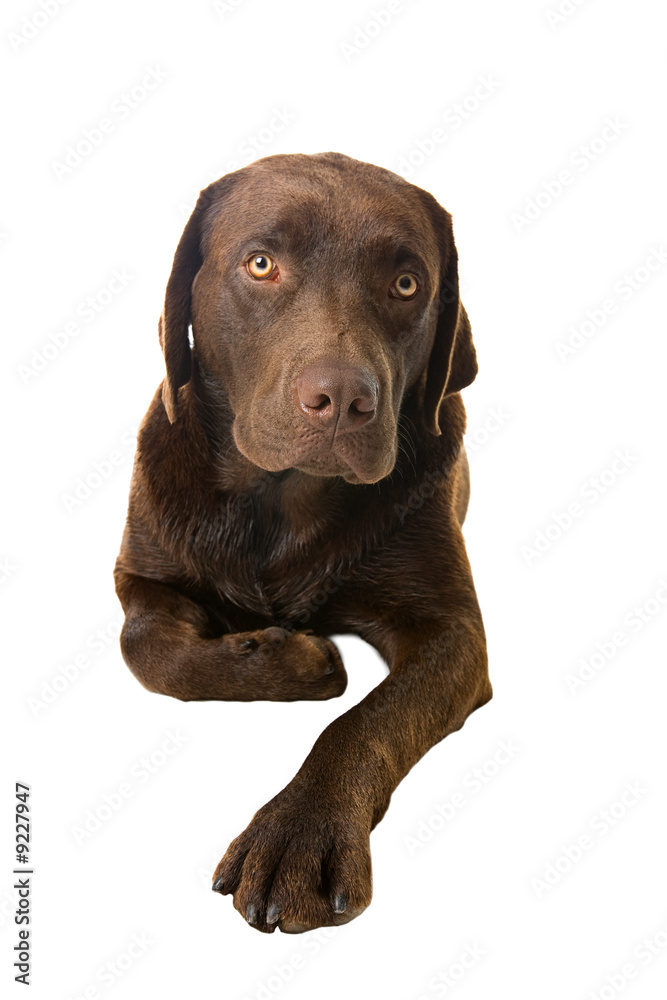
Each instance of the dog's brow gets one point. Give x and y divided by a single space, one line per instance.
405 255
264 239
274 233
390 251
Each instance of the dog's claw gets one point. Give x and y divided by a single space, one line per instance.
339 904
219 884
273 914
251 913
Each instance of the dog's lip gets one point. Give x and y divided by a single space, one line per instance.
322 456
312 467
348 474
355 472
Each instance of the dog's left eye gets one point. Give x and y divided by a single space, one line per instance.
404 287
261 266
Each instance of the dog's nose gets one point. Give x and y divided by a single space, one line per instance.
337 393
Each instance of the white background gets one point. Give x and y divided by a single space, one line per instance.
474 882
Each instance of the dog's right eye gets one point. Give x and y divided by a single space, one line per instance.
405 287
261 266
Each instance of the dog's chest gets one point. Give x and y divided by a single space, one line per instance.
266 564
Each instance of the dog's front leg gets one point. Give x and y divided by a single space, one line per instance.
304 860
168 645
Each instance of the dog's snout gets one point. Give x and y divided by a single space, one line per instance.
335 393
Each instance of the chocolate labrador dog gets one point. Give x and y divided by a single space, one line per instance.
300 473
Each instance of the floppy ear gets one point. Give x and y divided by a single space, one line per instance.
176 314
453 362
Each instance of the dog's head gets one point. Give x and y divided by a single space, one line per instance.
322 292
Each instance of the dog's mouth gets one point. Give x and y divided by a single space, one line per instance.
358 458
352 472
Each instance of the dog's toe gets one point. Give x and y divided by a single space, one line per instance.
301 867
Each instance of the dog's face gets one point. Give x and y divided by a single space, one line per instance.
321 291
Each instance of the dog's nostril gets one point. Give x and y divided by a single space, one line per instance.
337 394
314 402
363 404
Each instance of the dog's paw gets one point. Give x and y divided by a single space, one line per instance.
290 666
297 867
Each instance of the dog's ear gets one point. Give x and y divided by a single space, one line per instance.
453 362
176 316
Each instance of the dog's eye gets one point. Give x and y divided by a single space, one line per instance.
405 286
261 266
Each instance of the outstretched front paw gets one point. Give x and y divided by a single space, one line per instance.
297 866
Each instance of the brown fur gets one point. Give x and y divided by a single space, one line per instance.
256 528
